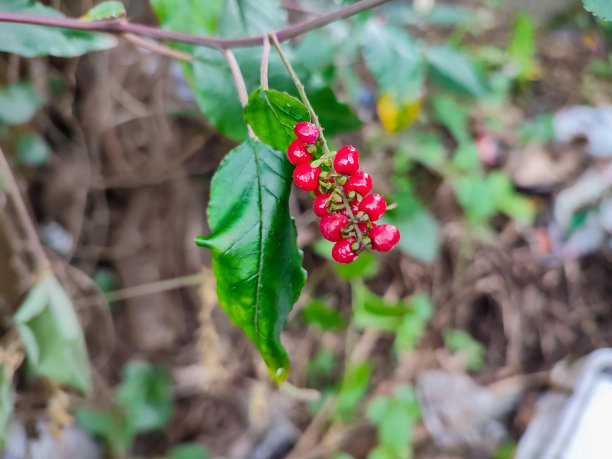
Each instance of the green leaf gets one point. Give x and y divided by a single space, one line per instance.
363 267
19 102
111 426
508 200
408 333
198 17
248 18
419 229
538 129
395 60
272 115
32 150
335 117
52 336
453 117
188 451
600 8
105 10
473 193
460 341
7 404
35 40
522 49
316 312
146 395
454 70
255 256
354 386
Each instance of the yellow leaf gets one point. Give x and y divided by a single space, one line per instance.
395 114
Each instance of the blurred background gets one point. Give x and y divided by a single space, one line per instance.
488 123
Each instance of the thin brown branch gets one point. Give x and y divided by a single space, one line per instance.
122 27
6 175
157 47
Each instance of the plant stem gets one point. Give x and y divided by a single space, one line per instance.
300 87
265 57
243 95
157 47
315 119
40 258
120 27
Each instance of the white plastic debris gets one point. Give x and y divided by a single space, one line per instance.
591 123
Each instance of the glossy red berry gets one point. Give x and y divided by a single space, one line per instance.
306 177
346 160
297 154
331 226
306 132
374 205
319 205
361 183
343 252
384 237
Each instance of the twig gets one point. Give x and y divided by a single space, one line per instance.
152 287
157 47
243 95
121 27
265 57
40 258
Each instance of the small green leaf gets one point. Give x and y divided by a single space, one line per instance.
188 451
363 267
473 193
316 312
522 49
7 404
395 60
111 426
146 395
198 17
255 256
539 129
335 117
453 117
248 18
35 40
454 70
105 10
52 336
354 386
32 150
417 226
272 115
460 341
600 8
19 102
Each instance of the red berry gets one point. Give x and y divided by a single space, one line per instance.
363 226
374 205
307 177
343 252
384 237
331 226
361 183
297 154
306 132
346 160
319 205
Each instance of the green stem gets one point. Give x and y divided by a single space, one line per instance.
315 119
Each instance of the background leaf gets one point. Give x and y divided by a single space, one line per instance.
32 150
454 70
395 60
7 402
255 256
246 17
354 386
459 341
105 10
316 312
600 8
334 116
34 40
272 115
19 102
52 335
146 395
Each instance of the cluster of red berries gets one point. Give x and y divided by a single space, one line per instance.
342 198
